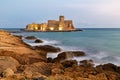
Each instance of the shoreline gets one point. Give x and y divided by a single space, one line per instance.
52 31
54 69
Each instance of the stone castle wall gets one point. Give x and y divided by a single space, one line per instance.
52 25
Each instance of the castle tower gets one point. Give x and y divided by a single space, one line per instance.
61 18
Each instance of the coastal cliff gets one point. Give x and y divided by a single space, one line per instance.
19 61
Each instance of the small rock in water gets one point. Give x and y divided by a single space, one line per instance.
30 37
38 41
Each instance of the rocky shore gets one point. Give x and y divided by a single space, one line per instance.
19 61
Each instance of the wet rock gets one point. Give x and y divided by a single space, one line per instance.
38 41
78 53
60 57
30 37
69 63
47 48
109 67
8 62
49 60
67 55
19 36
74 53
87 63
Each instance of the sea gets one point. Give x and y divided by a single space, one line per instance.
102 45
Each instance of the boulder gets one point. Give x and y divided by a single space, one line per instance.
38 41
74 53
30 37
49 60
68 54
69 63
8 64
109 67
47 48
87 63
60 57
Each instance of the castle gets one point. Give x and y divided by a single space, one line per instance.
52 25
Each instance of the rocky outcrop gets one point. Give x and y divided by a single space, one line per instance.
13 46
8 62
19 61
47 48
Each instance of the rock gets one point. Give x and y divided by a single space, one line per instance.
78 53
38 76
69 63
7 63
60 57
49 60
13 46
67 55
101 76
57 71
80 78
87 63
47 48
59 77
27 57
38 41
19 36
112 75
30 37
109 67
40 67
8 72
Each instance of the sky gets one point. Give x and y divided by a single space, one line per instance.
84 13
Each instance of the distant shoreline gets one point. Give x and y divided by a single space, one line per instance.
51 31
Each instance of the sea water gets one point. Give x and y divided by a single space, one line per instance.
102 45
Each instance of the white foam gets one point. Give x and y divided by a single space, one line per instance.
98 57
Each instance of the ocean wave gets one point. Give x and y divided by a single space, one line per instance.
99 57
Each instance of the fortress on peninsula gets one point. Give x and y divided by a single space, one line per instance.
52 25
